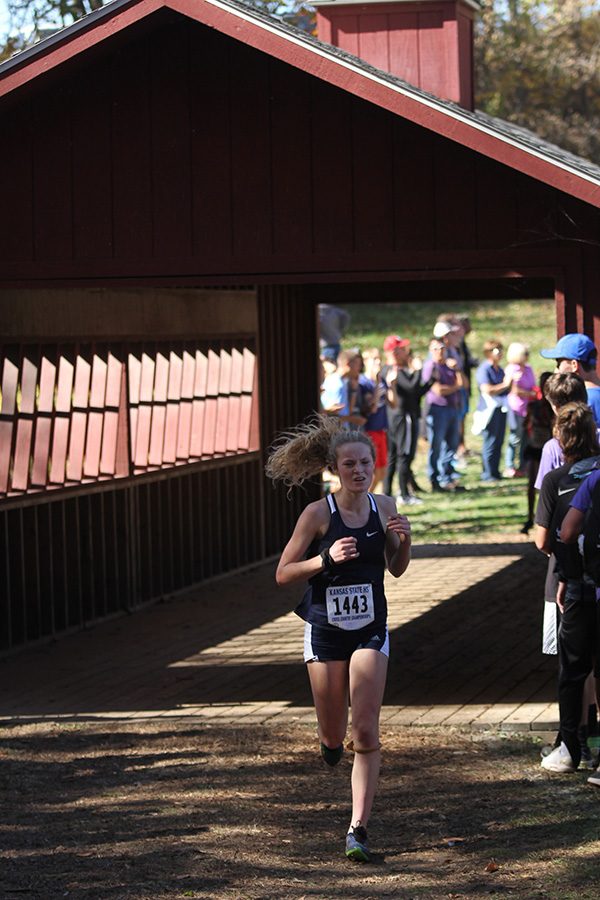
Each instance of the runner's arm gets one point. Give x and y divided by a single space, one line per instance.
292 564
397 536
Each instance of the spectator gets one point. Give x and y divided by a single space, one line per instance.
329 361
538 430
443 398
576 595
491 409
448 330
403 377
377 420
469 362
522 392
576 353
342 393
333 322
560 389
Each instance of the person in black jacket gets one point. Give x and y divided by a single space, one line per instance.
576 594
403 376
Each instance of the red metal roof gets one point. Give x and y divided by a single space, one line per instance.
493 138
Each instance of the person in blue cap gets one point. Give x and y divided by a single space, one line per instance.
577 353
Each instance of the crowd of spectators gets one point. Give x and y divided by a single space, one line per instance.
397 396
549 432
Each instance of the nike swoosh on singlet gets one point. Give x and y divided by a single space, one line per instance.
566 490
371 533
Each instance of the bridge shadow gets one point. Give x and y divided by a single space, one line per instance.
482 645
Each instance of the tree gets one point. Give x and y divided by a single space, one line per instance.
537 65
48 14
32 19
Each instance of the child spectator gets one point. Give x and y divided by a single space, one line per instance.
522 392
377 420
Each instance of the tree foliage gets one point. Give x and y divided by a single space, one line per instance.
537 64
36 17
41 14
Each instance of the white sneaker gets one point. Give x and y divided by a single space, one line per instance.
558 761
594 779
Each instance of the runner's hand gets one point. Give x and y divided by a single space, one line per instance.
399 525
343 550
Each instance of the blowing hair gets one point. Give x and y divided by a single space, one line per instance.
575 429
565 387
305 451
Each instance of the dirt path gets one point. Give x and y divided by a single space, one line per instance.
173 810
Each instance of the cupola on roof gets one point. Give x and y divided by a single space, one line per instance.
429 43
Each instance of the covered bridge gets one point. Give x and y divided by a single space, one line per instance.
182 181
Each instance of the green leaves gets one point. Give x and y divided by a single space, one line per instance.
537 64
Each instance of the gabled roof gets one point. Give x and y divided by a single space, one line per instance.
495 138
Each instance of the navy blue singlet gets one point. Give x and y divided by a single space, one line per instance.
368 568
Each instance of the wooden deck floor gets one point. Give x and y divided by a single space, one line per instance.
465 634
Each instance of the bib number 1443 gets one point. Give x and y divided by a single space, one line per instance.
350 606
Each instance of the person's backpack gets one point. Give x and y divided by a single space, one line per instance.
569 560
591 537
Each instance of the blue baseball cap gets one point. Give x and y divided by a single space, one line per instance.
572 346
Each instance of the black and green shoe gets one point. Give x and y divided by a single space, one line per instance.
357 844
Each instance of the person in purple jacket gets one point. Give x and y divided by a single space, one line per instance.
443 416
522 392
561 388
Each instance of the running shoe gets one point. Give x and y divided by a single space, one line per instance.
357 844
594 779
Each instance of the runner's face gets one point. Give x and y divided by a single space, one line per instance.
355 466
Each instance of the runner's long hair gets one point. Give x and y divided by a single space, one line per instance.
306 450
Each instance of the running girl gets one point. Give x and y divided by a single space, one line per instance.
342 544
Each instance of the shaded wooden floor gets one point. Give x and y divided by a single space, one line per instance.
465 630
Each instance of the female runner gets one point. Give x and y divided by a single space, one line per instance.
342 544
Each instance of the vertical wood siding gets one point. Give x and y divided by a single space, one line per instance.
289 392
69 562
182 151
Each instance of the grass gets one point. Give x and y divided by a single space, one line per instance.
483 509
533 322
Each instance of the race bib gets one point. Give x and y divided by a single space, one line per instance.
350 606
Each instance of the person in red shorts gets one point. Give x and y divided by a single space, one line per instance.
377 422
